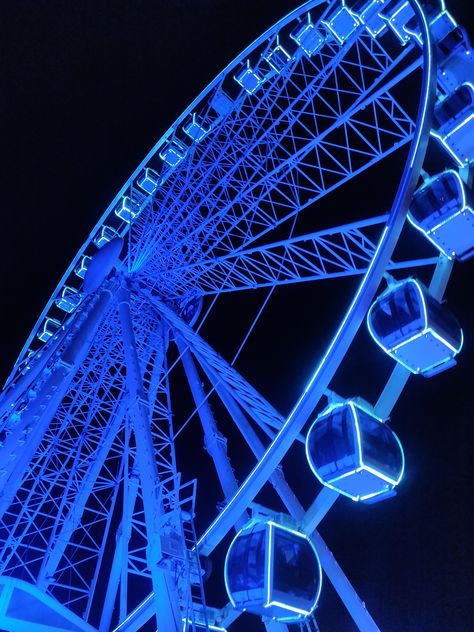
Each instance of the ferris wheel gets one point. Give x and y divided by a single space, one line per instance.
111 512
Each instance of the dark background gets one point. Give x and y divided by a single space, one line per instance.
87 87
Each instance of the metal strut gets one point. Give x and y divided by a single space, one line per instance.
166 604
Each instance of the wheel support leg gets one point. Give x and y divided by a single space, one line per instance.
165 596
215 442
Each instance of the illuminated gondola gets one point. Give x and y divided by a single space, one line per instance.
414 329
440 210
453 122
454 53
273 571
354 452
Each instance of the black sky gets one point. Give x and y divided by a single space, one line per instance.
87 87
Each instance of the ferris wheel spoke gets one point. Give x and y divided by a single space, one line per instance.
326 498
293 183
255 404
350 145
254 118
215 442
337 252
246 172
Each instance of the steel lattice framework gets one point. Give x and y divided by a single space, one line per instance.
94 510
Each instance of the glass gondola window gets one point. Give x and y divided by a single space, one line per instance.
333 444
372 462
273 571
294 570
246 563
441 210
379 449
414 328
402 307
454 106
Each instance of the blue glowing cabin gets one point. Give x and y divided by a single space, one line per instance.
354 452
273 571
453 121
415 329
50 327
127 209
148 180
342 24
439 210
248 78
68 300
81 268
454 53
308 37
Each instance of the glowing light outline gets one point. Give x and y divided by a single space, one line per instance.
72 291
443 138
269 56
194 123
81 269
385 293
302 30
132 214
253 526
363 20
427 330
268 579
427 233
439 138
354 406
248 70
442 13
49 334
155 179
328 25
318 592
176 148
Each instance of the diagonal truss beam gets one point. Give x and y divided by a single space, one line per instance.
336 252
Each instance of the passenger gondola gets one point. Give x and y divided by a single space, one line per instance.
415 329
453 122
273 571
440 210
354 452
455 58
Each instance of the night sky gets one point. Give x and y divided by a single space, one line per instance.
87 88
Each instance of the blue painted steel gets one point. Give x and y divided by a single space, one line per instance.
25 608
353 318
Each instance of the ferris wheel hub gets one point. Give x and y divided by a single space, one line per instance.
102 264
